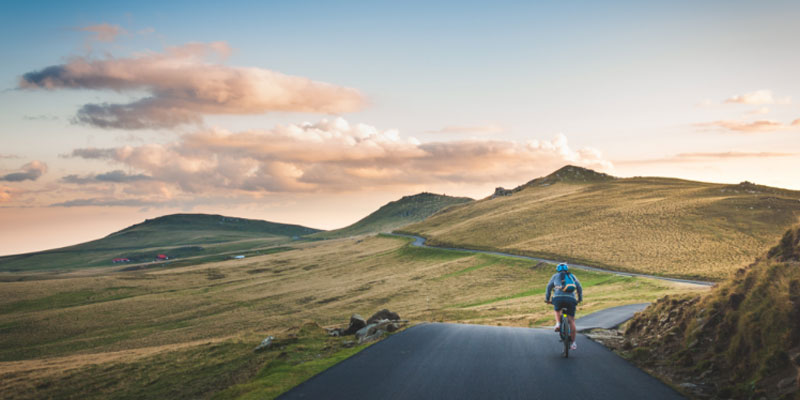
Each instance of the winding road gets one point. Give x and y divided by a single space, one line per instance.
455 361
419 241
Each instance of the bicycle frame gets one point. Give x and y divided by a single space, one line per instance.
564 332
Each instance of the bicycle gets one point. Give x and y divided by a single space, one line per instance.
564 333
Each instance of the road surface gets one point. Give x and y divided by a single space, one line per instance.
608 318
420 242
454 361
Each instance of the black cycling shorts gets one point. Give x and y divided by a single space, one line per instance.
565 302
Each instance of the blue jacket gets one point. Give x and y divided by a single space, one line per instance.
555 284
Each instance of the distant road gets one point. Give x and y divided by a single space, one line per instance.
454 361
420 242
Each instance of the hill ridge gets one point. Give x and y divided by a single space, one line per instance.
396 214
651 225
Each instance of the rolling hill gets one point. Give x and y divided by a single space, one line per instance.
660 226
396 214
741 340
176 235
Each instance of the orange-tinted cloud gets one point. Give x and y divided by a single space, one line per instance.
762 125
28 172
104 32
183 85
6 193
473 129
336 156
757 97
707 156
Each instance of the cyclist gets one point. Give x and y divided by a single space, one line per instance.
562 299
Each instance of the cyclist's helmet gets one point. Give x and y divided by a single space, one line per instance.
562 267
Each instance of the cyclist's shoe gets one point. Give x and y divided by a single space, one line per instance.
558 326
573 346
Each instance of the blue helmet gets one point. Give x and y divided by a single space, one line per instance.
562 267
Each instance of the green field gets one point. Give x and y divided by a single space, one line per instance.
197 237
189 331
659 226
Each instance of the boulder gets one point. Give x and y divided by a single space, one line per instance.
365 331
265 344
383 314
356 323
375 335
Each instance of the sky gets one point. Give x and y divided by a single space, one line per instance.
318 113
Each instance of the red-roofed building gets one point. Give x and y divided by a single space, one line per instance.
162 257
119 260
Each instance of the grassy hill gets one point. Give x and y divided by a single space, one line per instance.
741 340
189 331
660 226
177 236
396 214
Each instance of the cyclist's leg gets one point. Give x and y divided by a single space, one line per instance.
557 311
572 327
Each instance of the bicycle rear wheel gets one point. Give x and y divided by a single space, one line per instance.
565 334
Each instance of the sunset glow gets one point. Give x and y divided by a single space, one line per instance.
317 114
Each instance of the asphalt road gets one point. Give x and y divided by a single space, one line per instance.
420 242
454 361
608 318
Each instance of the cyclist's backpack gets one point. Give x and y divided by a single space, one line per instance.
567 282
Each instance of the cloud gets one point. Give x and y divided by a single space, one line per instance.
708 156
7 193
104 32
8 156
183 85
28 172
762 125
105 202
91 153
41 117
474 129
116 176
757 97
759 111
336 156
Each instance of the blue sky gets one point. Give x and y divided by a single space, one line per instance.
633 88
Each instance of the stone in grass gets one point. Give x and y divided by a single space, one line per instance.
356 322
383 314
370 330
265 344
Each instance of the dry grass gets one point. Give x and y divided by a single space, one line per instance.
58 328
650 225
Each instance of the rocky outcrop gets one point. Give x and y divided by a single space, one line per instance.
356 322
740 340
376 330
380 323
383 314
501 192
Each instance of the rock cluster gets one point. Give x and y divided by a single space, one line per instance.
371 329
500 192
265 344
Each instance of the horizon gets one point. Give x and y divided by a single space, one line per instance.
318 114
352 222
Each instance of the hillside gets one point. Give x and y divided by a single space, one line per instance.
176 235
741 340
188 332
396 214
652 225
